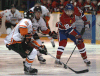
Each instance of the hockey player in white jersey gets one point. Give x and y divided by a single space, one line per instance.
46 16
44 29
20 40
13 16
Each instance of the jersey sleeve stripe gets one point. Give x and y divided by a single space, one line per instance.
23 26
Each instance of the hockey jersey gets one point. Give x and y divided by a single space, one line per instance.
15 36
40 24
12 18
66 21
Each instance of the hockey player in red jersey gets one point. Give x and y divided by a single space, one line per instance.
67 31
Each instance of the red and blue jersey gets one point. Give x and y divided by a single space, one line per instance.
67 21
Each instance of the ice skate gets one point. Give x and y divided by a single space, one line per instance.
29 70
41 60
52 42
58 62
87 62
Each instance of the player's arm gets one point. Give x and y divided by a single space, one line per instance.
46 15
86 23
45 30
65 25
2 15
23 30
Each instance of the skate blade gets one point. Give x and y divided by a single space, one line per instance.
27 73
42 62
57 65
88 64
53 45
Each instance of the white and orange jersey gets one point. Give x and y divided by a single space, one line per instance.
18 33
45 11
40 23
45 14
2 13
13 18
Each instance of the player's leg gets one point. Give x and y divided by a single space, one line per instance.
81 47
28 63
39 55
62 44
27 52
8 27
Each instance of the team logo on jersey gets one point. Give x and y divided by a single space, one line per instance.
70 21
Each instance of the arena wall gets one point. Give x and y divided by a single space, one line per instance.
54 17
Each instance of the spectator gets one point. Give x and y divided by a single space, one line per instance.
73 2
80 4
87 6
94 5
44 3
55 6
49 5
98 7
62 5
23 7
87 2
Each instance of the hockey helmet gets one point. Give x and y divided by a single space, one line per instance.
37 9
69 9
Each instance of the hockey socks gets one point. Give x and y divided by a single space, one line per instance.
59 53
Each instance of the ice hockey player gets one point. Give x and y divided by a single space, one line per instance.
42 25
13 16
20 40
67 31
46 16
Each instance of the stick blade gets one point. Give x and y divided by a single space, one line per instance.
78 72
82 71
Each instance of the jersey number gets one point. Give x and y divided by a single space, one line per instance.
66 26
26 23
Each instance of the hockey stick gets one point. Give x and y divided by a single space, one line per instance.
65 66
82 32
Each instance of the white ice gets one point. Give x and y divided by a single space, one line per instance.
11 63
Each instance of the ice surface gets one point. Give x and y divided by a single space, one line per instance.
11 64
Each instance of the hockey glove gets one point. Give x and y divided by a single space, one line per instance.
74 33
28 38
87 24
43 49
8 46
53 35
